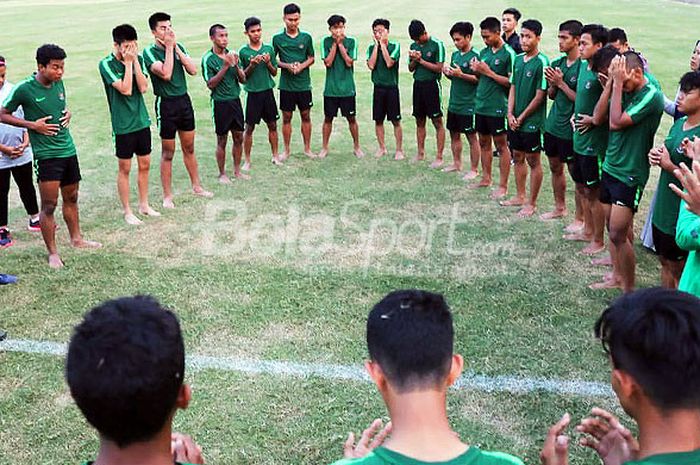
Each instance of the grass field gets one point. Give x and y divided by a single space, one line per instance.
286 266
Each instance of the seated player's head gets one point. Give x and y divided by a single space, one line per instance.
160 25
618 39
124 36
510 18
253 29
569 35
593 38
125 368
336 25
695 57
50 60
291 16
380 26
219 35
689 96
600 62
3 71
530 33
461 34
491 31
652 337
417 32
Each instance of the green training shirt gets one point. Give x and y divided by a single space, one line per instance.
528 78
473 456
340 79
128 112
559 118
626 158
260 78
491 97
433 51
462 93
39 101
177 85
688 238
381 74
594 142
290 50
228 88
677 458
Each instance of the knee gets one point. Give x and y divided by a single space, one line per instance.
188 150
420 123
306 117
533 161
287 118
437 123
618 236
396 124
124 169
238 137
326 120
272 127
168 155
48 207
352 120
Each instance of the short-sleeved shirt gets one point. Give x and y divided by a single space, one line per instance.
677 458
528 78
559 118
260 78
292 50
381 74
627 156
491 97
177 85
462 93
228 88
432 51
12 135
128 112
340 79
473 456
667 202
593 142
39 101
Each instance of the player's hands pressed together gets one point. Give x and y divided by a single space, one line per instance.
370 439
479 67
185 450
613 443
415 55
554 76
513 122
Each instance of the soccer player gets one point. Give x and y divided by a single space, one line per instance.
260 66
558 137
509 19
426 59
125 368
527 106
339 53
414 378
295 54
618 39
125 80
688 226
167 60
494 67
383 58
46 116
460 111
223 76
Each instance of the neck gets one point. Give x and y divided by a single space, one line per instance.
498 45
668 432
508 34
532 53
573 54
255 45
693 119
292 33
43 80
465 49
218 50
153 452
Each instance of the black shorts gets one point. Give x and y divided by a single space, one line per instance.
386 104
560 148
615 192
134 143
666 246
66 170
528 142
291 100
427 99
228 116
586 170
346 105
493 125
174 114
261 106
460 123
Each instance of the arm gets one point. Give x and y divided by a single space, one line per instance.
140 76
372 57
540 96
310 60
41 126
125 84
348 56
329 58
214 81
164 69
600 113
688 229
388 58
618 118
457 73
187 61
434 67
512 120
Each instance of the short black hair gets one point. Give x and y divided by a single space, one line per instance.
491 24
410 335
2 61
690 81
600 61
335 19
463 28
654 336
599 33
252 21
291 8
125 367
633 60
416 29
214 28
532 25
617 34
124 32
381 22
48 52
155 18
513 11
572 26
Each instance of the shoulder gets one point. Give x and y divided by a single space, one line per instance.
543 59
207 56
509 50
498 458
370 459
277 36
392 43
305 35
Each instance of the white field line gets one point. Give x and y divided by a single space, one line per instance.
468 381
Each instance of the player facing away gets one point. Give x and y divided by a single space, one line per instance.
527 105
168 60
460 110
426 59
260 67
339 53
125 79
494 67
46 117
295 54
383 59
223 75
558 136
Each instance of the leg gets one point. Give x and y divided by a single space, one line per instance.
144 166
624 261
595 216
123 190
286 133
188 156
456 146
273 140
535 164
578 197
440 136
23 178
326 136
379 132
48 191
221 158
69 195
474 154
486 153
166 171
248 145
398 135
504 165
238 154
520 179
556 168
306 132
420 138
4 193
355 133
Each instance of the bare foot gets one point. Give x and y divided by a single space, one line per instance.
283 156
310 154
223 179
322 154
499 193
593 248
399 155
380 153
418 158
553 215
55 261
602 261
358 153
85 244
242 176
202 193
513 202
470 175
451 168
437 163
527 211
576 226
580 237
168 202
276 161
481 184
131 219
606 284
148 211
246 166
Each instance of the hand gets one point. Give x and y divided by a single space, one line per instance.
296 68
618 69
47 129
339 39
554 76
169 40
603 79
18 151
691 183
555 450
415 55
456 71
479 67
231 59
583 123
65 119
375 432
613 442
129 54
513 122
446 70
265 57
385 38
691 148
654 156
11 152
185 450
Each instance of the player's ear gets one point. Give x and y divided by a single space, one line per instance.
376 373
184 396
455 369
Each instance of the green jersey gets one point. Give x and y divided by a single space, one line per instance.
593 142
626 158
128 112
340 79
559 118
228 88
473 456
294 50
462 93
177 85
432 51
260 78
527 78
688 238
39 101
381 74
677 458
667 202
491 97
